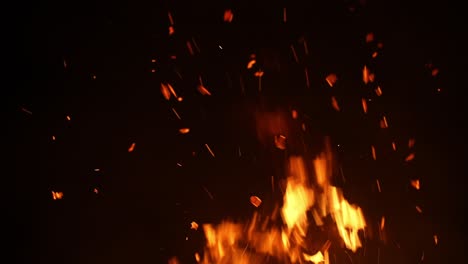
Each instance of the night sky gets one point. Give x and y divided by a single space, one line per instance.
102 65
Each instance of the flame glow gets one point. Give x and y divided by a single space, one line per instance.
284 235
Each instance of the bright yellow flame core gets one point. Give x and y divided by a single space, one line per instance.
231 242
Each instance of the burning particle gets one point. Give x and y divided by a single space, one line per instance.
68 118
94 77
294 54
415 184
303 126
394 146
209 149
284 15
335 103
171 89
26 111
96 170
307 77
382 223
411 142
132 147
364 105
171 20
251 63
374 156
197 257
410 157
436 240
369 37
153 70
228 15
378 186
434 72
153 60
255 201
378 91
180 99
294 114
184 130
380 45
194 225
178 164
365 75
171 30
331 79
280 142
165 91
96 191
259 73
383 122
239 152
57 195
374 55
419 209
175 113
208 192
53 138
202 89
189 47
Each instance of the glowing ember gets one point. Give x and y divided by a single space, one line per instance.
255 201
57 195
132 147
184 130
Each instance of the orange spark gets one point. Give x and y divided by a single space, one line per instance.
374 156
228 15
364 105
132 147
335 103
165 91
251 63
294 114
202 90
176 114
374 55
331 79
415 184
284 15
26 111
57 195
68 118
259 73
383 122
53 138
171 30
369 37
194 225
95 190
255 201
382 223
434 72
171 20
436 240
410 157
209 149
378 91
419 209
189 47
280 142
378 186
365 75
394 146
184 130
197 257
411 142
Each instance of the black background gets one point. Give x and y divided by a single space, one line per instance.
146 202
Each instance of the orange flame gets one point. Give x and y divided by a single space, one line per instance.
231 242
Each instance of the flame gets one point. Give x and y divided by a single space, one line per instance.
288 239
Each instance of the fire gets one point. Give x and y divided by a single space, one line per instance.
284 235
